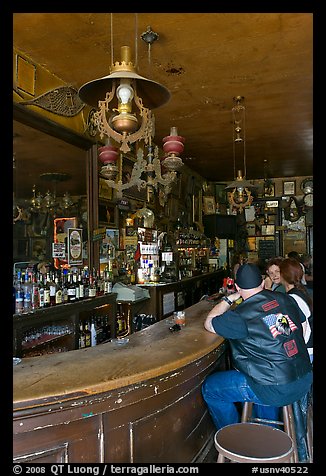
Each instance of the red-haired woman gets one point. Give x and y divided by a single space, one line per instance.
291 277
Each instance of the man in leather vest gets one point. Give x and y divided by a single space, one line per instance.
271 365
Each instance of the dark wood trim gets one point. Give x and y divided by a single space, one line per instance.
43 124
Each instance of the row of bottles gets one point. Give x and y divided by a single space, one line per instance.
38 290
94 332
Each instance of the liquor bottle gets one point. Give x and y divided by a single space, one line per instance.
65 286
106 328
91 287
107 282
71 289
93 333
35 291
99 330
76 284
88 337
81 343
51 285
85 280
46 291
81 286
19 294
27 288
58 290
41 290
120 324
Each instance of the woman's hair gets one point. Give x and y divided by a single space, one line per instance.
277 260
292 272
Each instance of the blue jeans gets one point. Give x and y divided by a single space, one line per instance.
221 390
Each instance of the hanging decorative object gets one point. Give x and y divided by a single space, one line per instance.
239 195
50 202
124 102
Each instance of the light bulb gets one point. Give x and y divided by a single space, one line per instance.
125 93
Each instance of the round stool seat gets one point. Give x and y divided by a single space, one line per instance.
253 442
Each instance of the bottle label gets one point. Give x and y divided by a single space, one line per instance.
52 290
92 292
58 297
46 296
81 291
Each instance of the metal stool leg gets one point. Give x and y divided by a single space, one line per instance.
289 428
246 412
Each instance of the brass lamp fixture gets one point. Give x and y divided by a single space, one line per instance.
239 195
118 96
151 167
124 102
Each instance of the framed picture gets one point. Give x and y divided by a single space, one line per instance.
104 191
197 208
209 205
220 193
38 249
269 190
108 214
289 187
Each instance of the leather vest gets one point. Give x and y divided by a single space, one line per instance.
274 352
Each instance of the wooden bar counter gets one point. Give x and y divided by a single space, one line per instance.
138 402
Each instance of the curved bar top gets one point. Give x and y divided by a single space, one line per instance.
151 352
135 403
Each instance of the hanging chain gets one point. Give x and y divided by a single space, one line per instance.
136 40
111 34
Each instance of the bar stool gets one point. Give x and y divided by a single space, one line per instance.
287 423
253 443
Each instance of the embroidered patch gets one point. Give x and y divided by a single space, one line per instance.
290 348
279 324
270 305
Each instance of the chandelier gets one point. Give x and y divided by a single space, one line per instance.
124 101
49 202
239 194
146 172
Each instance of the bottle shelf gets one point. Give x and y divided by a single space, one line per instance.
44 339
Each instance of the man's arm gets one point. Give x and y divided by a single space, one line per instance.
219 309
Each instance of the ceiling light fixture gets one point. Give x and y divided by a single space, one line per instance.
50 202
124 100
239 195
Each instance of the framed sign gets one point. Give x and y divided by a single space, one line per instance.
75 246
289 187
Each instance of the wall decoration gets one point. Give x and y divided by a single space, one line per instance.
289 187
269 190
104 191
38 249
108 214
197 208
75 246
220 193
209 205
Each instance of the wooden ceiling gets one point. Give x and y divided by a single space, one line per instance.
204 59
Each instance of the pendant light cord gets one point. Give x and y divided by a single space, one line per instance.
111 33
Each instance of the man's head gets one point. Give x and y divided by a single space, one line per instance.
249 280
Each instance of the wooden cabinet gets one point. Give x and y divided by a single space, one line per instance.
56 329
166 298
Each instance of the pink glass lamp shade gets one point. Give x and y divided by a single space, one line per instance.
108 154
173 144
